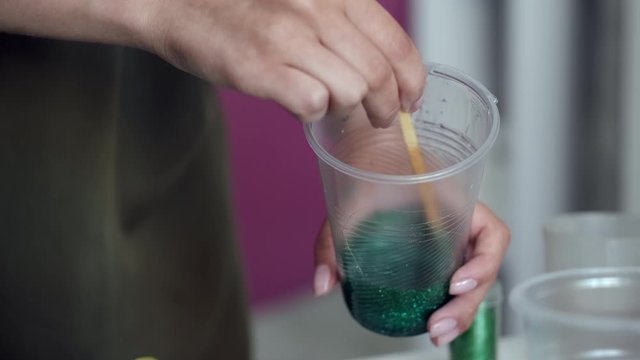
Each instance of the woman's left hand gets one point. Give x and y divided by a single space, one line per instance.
489 240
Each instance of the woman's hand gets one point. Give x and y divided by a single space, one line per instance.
312 56
489 239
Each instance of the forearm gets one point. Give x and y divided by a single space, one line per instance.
105 21
314 57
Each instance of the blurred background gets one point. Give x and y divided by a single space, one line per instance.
567 75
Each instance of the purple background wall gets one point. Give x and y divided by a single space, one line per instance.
277 192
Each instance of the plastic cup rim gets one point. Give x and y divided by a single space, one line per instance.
439 70
529 309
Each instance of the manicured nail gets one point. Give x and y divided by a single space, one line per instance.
416 105
462 286
321 280
442 327
447 338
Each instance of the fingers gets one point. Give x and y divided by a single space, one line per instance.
363 59
369 17
305 96
456 316
314 57
490 239
325 278
382 101
346 86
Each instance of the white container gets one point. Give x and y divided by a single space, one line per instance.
589 313
592 239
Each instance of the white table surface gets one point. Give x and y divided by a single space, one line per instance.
509 348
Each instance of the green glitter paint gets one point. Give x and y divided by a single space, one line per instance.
396 272
390 311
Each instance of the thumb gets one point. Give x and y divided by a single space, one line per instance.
326 273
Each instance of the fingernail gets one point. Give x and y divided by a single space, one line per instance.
321 280
442 327
447 338
416 105
462 286
395 118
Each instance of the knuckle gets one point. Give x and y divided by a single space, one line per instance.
505 233
415 84
304 6
507 236
355 93
277 29
402 48
378 73
465 323
313 102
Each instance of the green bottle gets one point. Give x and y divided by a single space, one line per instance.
480 341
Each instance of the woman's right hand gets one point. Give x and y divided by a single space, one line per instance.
311 56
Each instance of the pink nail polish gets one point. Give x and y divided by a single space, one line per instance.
447 338
322 279
462 286
442 327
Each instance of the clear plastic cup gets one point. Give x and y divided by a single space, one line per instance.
592 239
588 313
395 259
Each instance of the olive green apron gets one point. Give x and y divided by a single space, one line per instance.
116 238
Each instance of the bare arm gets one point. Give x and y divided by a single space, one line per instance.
312 56
83 20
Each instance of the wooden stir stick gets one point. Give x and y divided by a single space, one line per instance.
417 162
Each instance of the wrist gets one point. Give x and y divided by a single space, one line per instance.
104 21
122 22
